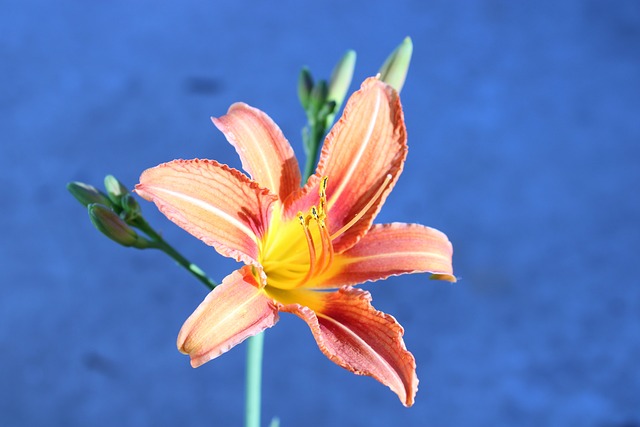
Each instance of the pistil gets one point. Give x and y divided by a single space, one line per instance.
304 221
364 210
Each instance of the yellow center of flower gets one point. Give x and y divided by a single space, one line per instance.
297 253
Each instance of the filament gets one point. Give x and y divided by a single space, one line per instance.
364 210
312 249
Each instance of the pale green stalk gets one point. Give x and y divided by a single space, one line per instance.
159 243
256 343
254 380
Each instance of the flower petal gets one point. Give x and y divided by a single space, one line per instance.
363 154
234 311
217 204
390 250
265 153
354 335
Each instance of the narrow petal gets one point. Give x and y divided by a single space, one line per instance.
265 153
363 156
390 250
217 204
354 335
234 311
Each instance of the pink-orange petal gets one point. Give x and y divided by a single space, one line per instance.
354 335
234 311
265 153
365 147
217 204
390 250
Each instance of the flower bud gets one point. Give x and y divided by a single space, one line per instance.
318 97
87 194
130 207
394 70
327 112
112 226
341 78
305 86
114 188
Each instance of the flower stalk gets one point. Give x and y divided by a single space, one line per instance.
321 102
319 109
253 392
117 214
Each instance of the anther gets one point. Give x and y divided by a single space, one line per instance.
323 196
317 213
323 187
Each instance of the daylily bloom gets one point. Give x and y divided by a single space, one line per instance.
304 248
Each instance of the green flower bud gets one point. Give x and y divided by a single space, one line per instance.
115 189
327 112
305 86
395 68
341 78
112 226
130 207
318 97
87 194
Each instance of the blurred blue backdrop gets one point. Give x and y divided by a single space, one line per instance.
524 133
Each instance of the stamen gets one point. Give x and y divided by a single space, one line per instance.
312 249
318 263
322 227
326 245
323 196
364 210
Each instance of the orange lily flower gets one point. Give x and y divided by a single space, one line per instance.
304 248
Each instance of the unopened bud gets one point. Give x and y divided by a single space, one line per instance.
112 226
114 188
305 86
87 194
328 112
318 97
395 68
341 78
130 206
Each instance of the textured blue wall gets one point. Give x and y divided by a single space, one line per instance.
524 132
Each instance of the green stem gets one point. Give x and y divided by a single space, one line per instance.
254 380
316 132
159 243
316 129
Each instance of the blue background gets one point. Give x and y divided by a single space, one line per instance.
524 133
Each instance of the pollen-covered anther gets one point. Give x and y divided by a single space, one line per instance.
318 262
323 198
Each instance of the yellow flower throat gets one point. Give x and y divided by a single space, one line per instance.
292 259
